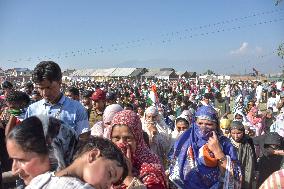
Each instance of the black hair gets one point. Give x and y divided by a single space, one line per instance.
29 85
182 119
74 91
87 94
47 70
107 149
128 106
35 93
29 135
7 85
18 97
218 95
207 96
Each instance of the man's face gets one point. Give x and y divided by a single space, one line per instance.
87 101
151 118
72 96
99 104
49 90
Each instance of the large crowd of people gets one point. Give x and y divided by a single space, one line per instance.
130 133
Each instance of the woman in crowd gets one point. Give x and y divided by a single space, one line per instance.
145 169
239 104
256 120
224 126
203 157
158 132
182 124
98 163
240 116
28 147
102 128
246 153
270 156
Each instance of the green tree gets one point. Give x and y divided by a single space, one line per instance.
209 72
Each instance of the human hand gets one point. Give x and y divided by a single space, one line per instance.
152 129
278 152
126 150
127 181
214 146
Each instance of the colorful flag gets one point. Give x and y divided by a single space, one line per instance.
153 99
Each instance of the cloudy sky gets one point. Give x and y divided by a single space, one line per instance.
225 36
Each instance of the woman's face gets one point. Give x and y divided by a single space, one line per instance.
206 126
238 117
102 173
181 126
122 134
140 111
26 164
237 135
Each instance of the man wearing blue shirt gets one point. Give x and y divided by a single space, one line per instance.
47 77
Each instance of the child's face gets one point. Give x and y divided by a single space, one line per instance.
102 173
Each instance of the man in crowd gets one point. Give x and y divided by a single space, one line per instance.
87 101
73 93
99 98
47 77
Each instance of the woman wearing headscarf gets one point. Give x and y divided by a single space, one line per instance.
270 160
239 104
102 128
159 133
246 152
256 120
146 171
240 116
203 157
182 123
277 126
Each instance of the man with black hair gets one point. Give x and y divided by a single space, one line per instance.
13 114
7 86
110 98
221 106
29 87
47 77
87 102
73 93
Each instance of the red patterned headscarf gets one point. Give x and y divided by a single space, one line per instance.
147 164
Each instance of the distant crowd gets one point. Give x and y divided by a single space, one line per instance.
123 133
